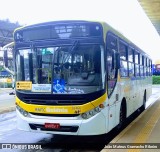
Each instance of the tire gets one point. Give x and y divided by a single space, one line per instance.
122 116
144 102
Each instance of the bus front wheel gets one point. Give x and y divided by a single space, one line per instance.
122 115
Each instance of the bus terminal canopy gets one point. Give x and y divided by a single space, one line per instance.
152 10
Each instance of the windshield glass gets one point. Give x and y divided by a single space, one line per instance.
75 69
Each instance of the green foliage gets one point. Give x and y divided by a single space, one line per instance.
156 79
1 68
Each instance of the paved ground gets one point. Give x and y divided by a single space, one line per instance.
7 102
5 90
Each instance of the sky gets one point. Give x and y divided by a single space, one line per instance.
126 16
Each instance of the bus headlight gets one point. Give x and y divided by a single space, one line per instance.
92 112
84 115
23 112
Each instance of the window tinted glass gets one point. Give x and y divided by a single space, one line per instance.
123 51
136 57
124 69
130 54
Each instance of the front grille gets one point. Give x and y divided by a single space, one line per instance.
55 115
52 102
61 129
58 99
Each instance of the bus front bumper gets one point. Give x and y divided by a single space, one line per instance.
95 125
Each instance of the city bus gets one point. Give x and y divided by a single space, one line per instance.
78 77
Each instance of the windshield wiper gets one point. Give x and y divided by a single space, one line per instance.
74 46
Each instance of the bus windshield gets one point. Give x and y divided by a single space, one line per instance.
74 69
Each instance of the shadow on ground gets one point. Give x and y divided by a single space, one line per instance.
84 143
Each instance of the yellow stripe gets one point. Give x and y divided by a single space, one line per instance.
69 109
146 131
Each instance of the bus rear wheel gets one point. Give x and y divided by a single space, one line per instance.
144 103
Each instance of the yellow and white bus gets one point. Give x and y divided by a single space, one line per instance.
77 77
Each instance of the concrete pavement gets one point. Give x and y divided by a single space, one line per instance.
7 102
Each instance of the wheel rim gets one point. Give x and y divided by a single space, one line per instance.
122 115
144 101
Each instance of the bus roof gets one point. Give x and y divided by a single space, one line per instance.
105 26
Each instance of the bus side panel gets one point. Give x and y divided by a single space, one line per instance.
93 126
149 87
114 107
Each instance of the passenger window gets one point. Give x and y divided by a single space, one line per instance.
124 58
141 65
147 71
131 69
124 69
130 62
144 65
137 69
144 61
136 57
150 68
123 51
144 71
130 54
141 70
140 59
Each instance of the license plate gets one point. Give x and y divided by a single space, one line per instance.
52 125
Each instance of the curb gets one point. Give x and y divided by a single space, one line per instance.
9 109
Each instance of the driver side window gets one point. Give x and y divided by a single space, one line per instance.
111 63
